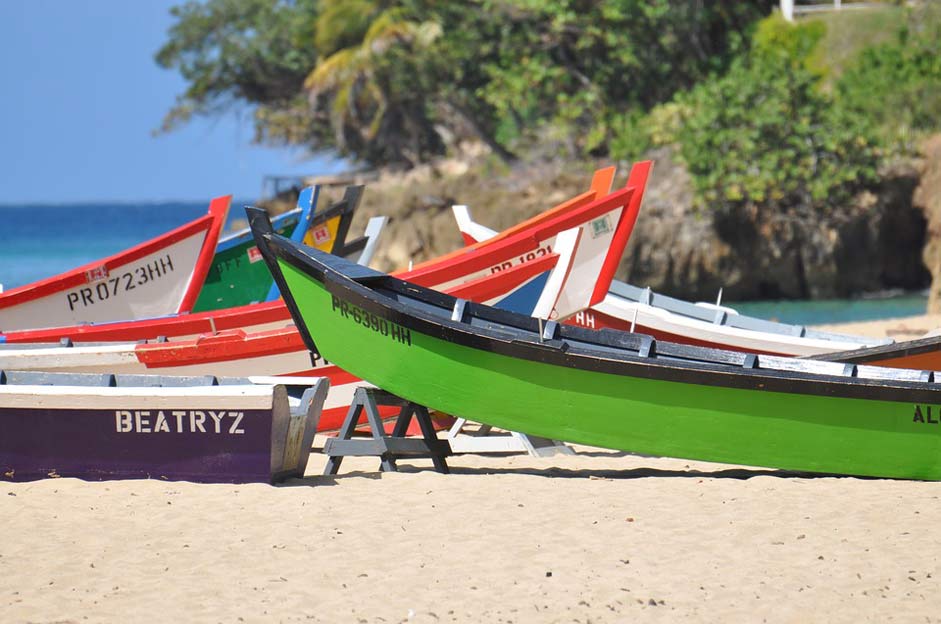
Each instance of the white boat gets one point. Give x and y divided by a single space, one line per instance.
158 277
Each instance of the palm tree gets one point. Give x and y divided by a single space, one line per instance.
365 81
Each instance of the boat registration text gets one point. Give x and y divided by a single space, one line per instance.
371 321
110 287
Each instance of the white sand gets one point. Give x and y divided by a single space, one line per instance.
907 328
595 537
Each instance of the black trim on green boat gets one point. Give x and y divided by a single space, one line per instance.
609 351
880 353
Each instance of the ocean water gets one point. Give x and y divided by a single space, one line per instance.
38 241
868 308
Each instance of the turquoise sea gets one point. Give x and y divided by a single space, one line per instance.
38 241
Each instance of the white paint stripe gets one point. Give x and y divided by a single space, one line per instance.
342 394
566 246
80 397
466 225
117 357
663 320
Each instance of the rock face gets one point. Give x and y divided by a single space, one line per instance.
873 245
928 199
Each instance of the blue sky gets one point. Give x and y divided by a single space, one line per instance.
80 95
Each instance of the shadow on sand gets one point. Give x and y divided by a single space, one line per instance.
554 472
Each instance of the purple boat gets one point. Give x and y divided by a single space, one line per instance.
96 427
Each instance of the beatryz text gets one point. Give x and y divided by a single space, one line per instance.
112 287
371 321
178 421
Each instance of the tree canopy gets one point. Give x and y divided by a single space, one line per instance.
748 99
398 81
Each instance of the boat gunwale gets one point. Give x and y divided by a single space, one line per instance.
244 235
572 346
879 353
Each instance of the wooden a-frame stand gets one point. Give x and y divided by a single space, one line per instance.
388 448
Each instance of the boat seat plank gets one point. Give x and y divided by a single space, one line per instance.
772 362
39 378
164 381
895 374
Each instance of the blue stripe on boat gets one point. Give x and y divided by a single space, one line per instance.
237 238
524 298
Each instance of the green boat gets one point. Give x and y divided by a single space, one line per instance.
238 275
607 388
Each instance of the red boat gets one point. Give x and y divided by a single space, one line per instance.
498 272
524 242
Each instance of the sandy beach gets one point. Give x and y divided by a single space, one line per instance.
598 536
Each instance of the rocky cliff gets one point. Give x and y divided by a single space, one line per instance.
872 245
928 199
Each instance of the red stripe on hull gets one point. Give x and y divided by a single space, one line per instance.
637 180
212 222
170 327
218 209
226 346
496 284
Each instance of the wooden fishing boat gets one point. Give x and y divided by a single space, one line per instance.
276 352
605 218
607 388
177 428
238 275
250 318
531 240
629 308
234 278
161 276
273 352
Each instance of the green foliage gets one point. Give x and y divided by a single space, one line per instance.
236 52
577 69
848 33
897 84
764 133
795 44
343 24
395 81
374 89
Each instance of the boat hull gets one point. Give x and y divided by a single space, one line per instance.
153 285
219 434
156 278
238 275
627 409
